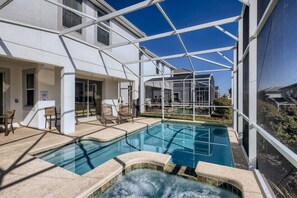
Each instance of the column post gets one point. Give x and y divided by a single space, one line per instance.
67 101
252 86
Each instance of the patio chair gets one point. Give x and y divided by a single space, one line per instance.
50 114
125 113
170 110
8 119
107 114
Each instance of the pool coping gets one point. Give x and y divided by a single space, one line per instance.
92 138
195 122
108 172
216 175
142 161
119 136
244 180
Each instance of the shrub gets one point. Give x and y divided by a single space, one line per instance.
223 112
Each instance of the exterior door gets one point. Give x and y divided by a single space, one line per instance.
88 97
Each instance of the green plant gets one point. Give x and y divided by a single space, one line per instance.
281 124
223 111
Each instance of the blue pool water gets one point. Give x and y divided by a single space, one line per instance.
186 143
151 184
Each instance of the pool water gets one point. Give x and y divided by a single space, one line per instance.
151 184
186 143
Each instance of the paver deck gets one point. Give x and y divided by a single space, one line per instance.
22 175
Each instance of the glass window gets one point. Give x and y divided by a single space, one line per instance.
245 136
176 97
29 85
277 87
103 33
88 97
262 5
277 96
245 98
157 69
246 85
30 81
30 97
246 28
71 19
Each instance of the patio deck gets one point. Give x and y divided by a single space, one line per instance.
22 174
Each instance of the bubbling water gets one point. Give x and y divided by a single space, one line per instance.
145 183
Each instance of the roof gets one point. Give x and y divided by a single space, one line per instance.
122 20
152 55
292 86
184 77
182 70
273 89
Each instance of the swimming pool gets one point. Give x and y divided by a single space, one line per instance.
150 184
186 143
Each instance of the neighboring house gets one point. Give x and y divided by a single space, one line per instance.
290 92
273 92
178 89
39 68
148 70
282 97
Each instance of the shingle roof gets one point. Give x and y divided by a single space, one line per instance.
292 86
273 89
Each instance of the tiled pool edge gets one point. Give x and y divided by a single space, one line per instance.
216 175
101 180
89 137
244 186
121 165
123 135
195 122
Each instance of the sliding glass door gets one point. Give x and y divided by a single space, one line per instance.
88 97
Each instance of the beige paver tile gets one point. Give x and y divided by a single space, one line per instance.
26 176
243 179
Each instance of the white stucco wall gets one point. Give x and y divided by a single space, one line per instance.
49 54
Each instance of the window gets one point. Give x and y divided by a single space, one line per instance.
88 97
261 6
157 68
71 19
176 97
276 106
29 86
246 27
103 32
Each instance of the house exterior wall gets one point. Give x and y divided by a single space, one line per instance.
273 95
47 78
54 58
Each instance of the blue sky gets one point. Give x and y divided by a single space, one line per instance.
185 13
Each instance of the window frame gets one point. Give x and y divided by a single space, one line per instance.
80 31
27 72
97 29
